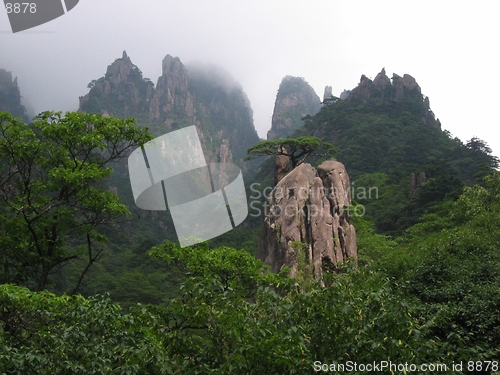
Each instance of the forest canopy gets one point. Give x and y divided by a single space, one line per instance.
52 200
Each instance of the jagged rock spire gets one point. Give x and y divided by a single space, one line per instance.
295 96
381 79
306 221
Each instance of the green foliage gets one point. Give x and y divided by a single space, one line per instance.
354 319
384 199
244 238
297 149
449 264
371 246
283 325
234 317
53 200
430 294
378 136
232 269
41 333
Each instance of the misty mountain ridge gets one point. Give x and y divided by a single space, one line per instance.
384 129
203 95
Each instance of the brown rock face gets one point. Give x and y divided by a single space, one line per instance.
306 226
120 70
171 94
429 117
381 79
363 90
282 166
295 99
404 86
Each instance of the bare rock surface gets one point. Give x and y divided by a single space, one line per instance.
295 99
306 226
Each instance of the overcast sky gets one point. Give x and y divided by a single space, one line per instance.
450 48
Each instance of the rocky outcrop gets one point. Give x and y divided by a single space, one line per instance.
122 92
399 90
10 96
404 85
195 95
282 165
120 70
328 93
344 94
306 225
429 118
222 110
381 79
171 95
295 99
416 184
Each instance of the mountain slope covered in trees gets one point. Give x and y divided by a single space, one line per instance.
384 132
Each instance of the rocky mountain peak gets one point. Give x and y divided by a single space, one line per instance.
382 87
328 93
119 70
399 90
381 79
174 74
10 96
207 98
294 100
122 92
171 94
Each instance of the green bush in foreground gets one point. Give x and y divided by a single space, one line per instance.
232 317
42 333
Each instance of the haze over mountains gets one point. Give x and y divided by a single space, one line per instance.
208 96
202 95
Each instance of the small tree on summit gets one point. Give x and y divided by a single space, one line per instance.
296 149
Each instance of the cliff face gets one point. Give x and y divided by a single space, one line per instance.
306 226
10 96
171 97
208 98
399 90
295 99
222 110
